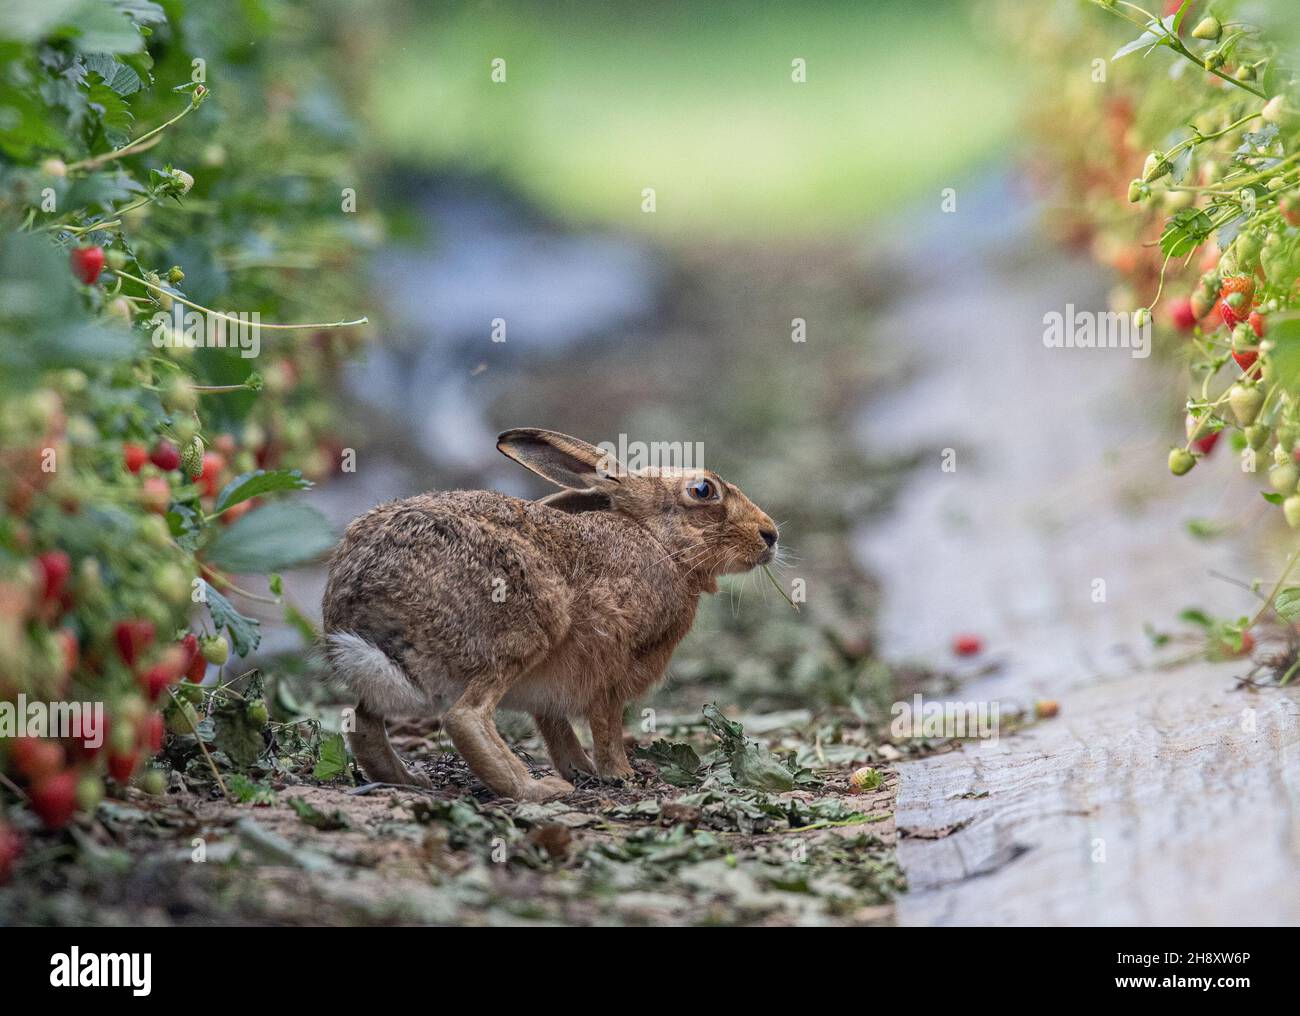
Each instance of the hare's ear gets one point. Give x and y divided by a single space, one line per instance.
564 460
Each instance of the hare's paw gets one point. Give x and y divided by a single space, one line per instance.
577 765
548 788
415 778
616 771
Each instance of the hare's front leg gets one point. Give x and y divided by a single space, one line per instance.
472 726
567 754
606 719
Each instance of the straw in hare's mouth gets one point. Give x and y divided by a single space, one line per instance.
777 586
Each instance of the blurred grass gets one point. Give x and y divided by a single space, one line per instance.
696 101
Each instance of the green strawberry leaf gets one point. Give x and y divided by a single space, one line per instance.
333 761
235 734
245 632
272 538
1185 231
259 482
1287 604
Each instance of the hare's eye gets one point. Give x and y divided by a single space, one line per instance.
701 490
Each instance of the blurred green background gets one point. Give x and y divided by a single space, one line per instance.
695 100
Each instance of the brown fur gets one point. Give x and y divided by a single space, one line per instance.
570 606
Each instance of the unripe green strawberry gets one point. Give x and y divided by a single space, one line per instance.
864 779
186 428
1245 401
1208 28
1181 461
1213 60
1283 478
1256 435
192 457
1137 191
1291 509
179 396
153 782
1202 302
1155 167
90 578
215 649
182 719
1246 248
172 583
1272 111
257 712
175 275
90 791
155 532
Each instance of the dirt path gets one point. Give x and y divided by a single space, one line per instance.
1157 796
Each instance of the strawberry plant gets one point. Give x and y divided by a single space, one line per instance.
156 186
1187 182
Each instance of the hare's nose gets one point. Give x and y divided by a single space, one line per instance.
769 536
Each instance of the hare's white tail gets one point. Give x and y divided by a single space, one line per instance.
372 675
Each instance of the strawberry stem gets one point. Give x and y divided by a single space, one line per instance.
227 317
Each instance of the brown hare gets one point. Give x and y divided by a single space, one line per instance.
565 607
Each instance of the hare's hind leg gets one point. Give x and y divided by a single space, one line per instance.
376 756
567 754
380 686
472 726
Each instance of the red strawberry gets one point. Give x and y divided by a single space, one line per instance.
213 464
156 679
154 729
967 644
71 649
55 567
196 666
133 639
121 764
1235 297
157 494
1246 358
36 759
54 798
134 456
165 456
236 512
1182 315
1258 323
1205 444
87 263
11 848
